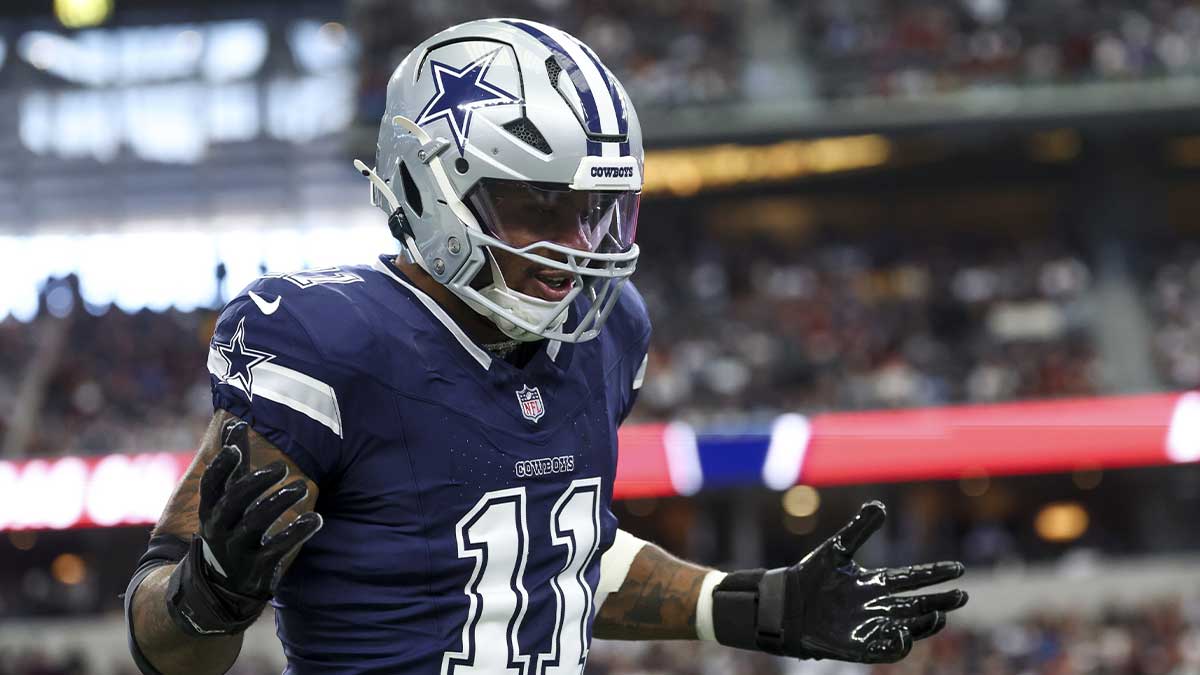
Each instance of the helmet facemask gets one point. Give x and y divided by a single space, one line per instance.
576 243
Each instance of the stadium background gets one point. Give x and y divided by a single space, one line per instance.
896 206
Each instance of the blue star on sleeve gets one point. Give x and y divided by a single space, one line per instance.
240 360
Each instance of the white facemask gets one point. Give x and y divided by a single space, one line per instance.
522 306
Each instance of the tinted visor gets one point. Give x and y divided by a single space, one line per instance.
521 213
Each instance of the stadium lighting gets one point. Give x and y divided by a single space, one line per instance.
790 436
685 172
1061 522
73 492
1183 439
801 501
683 458
82 13
68 569
333 32
22 540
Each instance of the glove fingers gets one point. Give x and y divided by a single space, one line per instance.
216 477
869 519
266 511
237 433
911 578
242 493
890 647
292 537
926 625
911 606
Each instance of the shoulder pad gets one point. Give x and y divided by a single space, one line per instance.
327 305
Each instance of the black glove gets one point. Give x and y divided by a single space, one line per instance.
233 567
828 607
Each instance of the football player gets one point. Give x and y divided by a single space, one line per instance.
413 460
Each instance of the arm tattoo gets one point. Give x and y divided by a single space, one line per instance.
159 639
656 602
182 515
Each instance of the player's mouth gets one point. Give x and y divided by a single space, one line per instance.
553 285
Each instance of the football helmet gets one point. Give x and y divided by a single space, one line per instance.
505 135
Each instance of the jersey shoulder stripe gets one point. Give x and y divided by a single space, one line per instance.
303 393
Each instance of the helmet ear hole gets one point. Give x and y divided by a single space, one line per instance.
411 194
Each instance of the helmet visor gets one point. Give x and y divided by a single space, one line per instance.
521 213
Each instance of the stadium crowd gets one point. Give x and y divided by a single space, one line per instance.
910 49
668 52
855 325
127 383
1174 302
738 338
664 51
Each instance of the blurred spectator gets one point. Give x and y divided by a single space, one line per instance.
1175 304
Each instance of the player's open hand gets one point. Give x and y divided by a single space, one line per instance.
827 606
842 611
233 566
235 515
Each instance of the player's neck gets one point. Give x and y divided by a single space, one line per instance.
475 326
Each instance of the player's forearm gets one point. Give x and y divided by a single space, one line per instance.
657 600
166 647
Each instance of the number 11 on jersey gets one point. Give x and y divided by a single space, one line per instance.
495 533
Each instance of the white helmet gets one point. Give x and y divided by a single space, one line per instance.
490 124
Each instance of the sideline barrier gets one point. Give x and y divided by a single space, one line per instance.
659 460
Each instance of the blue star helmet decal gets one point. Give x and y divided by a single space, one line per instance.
240 360
458 93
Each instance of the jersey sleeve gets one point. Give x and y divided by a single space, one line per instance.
265 368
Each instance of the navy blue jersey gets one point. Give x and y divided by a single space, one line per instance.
466 500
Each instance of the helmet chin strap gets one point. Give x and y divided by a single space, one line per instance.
525 307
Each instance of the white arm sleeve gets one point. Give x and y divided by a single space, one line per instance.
615 564
614 567
704 606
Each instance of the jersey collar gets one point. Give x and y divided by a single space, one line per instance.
475 351
481 355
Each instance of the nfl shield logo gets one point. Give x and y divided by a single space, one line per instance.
531 403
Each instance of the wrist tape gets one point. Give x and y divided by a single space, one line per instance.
749 610
199 607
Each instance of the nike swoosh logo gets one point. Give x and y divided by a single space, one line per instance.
267 308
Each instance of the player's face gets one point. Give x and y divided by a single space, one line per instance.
521 214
